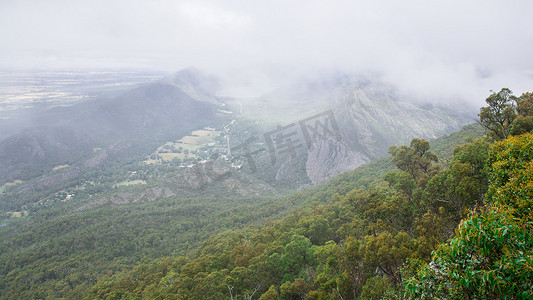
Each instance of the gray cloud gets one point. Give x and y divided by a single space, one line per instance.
435 49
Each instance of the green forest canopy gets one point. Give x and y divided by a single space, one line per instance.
424 226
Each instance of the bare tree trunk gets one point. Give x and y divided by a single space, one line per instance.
230 293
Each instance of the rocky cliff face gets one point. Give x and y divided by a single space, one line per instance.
329 158
369 118
378 118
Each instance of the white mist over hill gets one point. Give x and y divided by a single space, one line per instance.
438 50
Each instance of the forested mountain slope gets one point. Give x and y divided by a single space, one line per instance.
175 135
389 240
372 243
63 251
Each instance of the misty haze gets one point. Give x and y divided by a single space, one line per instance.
236 150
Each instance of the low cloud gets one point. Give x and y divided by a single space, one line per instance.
436 50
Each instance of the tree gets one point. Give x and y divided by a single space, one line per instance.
376 288
499 115
464 183
294 290
522 125
299 254
524 121
524 105
511 176
341 272
491 255
387 253
271 294
415 159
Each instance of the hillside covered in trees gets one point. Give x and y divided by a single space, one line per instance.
450 218
389 240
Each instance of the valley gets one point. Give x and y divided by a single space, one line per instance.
167 171
259 150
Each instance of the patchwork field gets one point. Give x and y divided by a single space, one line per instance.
130 182
186 147
8 184
59 167
171 156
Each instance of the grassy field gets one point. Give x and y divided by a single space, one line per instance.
190 143
130 182
8 219
59 167
8 184
171 156
18 214
200 137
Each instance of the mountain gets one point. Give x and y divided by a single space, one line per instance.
297 135
75 248
344 122
64 135
370 119
99 187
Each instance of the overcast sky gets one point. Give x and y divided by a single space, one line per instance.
428 47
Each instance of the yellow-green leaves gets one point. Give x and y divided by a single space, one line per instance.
511 177
491 255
